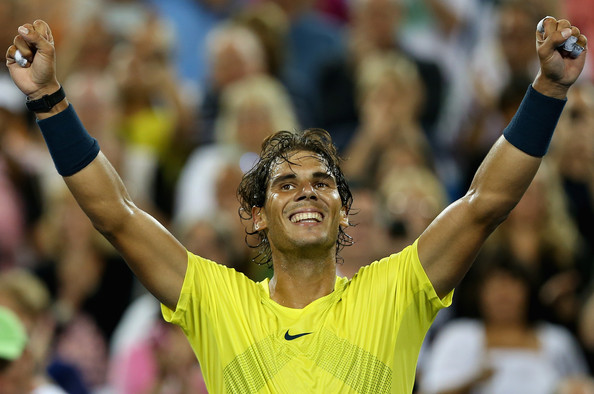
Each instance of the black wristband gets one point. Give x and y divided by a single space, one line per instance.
532 127
47 102
70 146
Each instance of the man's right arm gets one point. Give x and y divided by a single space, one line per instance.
153 254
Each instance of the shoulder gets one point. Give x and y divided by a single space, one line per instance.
200 266
461 338
455 357
554 336
402 275
212 281
465 330
401 265
408 254
559 344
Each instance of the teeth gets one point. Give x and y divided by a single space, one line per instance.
306 216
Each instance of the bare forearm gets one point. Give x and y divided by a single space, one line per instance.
450 244
500 181
156 257
153 254
513 161
101 194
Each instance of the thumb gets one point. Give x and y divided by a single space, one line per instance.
559 37
39 38
551 34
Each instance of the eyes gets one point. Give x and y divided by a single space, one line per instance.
316 185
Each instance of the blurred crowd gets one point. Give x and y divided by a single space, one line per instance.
180 94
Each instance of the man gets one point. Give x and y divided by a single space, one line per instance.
373 29
305 330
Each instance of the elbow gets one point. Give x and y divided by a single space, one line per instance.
115 219
489 209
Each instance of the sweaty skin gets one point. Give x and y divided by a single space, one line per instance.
301 217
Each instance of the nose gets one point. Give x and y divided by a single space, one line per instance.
307 192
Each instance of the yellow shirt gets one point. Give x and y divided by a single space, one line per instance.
364 337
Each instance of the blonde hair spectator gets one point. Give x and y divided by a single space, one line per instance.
412 197
382 71
235 52
258 101
390 95
24 293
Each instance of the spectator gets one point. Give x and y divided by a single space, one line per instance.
271 25
507 349
411 198
192 21
507 55
369 232
235 52
374 29
543 237
390 101
90 287
161 363
26 296
574 159
251 109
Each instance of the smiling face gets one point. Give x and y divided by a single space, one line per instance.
303 209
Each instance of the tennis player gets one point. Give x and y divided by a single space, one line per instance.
305 330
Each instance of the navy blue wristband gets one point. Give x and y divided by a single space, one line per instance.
532 127
69 144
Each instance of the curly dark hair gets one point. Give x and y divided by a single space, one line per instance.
277 148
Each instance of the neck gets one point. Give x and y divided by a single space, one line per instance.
507 326
298 282
511 336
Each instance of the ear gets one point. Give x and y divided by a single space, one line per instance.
259 218
344 217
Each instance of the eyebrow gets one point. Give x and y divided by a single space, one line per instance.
323 175
291 176
282 178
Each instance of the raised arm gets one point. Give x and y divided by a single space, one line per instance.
153 254
450 244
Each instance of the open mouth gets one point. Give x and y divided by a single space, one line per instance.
306 217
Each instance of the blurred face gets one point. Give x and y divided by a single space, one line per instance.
228 65
303 210
504 299
254 124
576 137
400 98
371 241
516 33
377 20
411 211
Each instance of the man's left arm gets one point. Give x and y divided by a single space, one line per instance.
450 244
